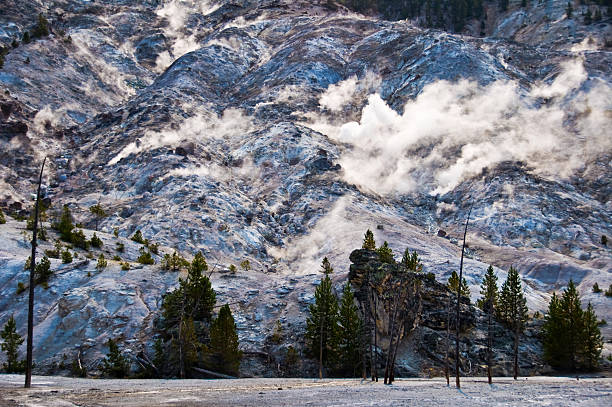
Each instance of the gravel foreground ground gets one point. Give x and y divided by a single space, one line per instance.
50 391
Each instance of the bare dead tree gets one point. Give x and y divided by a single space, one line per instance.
458 324
446 362
412 310
28 377
489 342
375 377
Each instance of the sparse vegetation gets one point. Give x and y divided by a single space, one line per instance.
608 292
125 266
95 241
596 288
145 257
173 262
66 256
2 218
102 263
20 287
137 237
245 265
43 271
98 212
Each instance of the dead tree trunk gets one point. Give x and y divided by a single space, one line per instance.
322 320
29 346
391 336
446 361
375 340
516 343
489 343
458 325
371 327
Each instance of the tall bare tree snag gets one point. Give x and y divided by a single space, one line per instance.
28 377
446 367
458 324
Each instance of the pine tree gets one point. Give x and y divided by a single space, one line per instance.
224 353
453 283
102 263
411 262
368 241
137 237
592 342
568 10
98 212
95 241
553 334
513 309
173 262
185 347
2 218
488 303
115 364
385 254
322 323
573 326
350 326
65 225
10 345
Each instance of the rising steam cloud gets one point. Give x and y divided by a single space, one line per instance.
452 131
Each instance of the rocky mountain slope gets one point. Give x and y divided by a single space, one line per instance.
279 131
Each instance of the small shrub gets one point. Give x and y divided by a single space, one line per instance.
145 257
604 240
246 265
125 265
116 232
66 256
596 288
96 241
42 272
608 292
137 237
2 218
430 276
55 252
602 322
153 248
20 287
102 263
79 240
116 258
26 38
120 247
232 269
15 43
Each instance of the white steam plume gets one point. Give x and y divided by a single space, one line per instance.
177 12
452 131
198 128
340 94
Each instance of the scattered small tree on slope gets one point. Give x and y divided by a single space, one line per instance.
368 241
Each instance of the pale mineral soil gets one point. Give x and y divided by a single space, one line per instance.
51 391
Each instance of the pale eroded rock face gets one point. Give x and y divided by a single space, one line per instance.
217 126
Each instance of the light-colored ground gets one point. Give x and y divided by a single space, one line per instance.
532 391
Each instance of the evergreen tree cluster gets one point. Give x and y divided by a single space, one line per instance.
190 336
571 336
10 345
333 330
445 14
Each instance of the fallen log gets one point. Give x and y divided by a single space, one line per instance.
213 374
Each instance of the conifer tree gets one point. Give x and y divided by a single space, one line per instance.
573 326
10 345
224 353
411 262
453 283
592 343
513 309
488 303
65 225
2 218
185 347
385 254
98 212
322 323
553 331
350 326
173 262
368 241
115 364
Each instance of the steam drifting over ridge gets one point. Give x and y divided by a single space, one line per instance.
454 130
